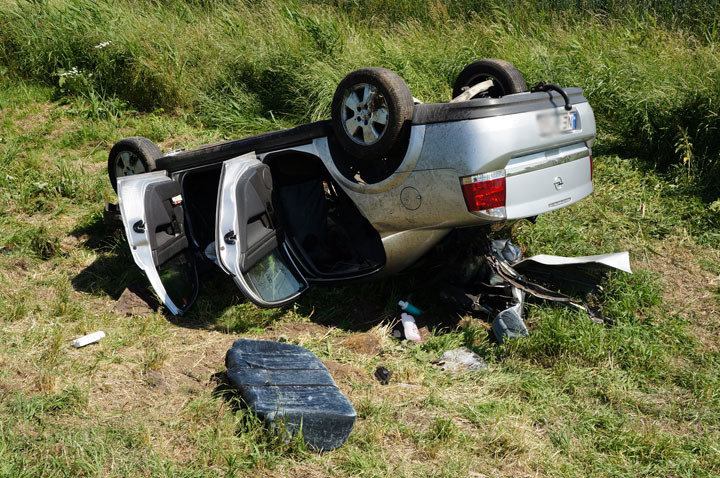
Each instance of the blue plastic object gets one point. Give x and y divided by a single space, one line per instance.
508 325
288 386
409 308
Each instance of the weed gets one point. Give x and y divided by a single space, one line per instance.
154 358
69 401
36 241
442 429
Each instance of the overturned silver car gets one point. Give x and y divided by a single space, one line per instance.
366 193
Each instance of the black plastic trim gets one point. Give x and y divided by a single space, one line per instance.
219 152
489 107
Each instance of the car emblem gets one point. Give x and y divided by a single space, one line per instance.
558 183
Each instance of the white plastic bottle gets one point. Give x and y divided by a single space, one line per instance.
88 339
411 330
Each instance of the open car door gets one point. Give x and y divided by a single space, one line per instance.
248 246
152 212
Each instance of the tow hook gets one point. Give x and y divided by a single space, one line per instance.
542 86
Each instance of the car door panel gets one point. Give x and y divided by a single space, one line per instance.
248 245
151 206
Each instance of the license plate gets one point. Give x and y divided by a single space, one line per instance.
568 121
557 123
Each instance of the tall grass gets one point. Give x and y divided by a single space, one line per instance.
650 68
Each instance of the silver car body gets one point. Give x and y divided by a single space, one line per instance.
545 167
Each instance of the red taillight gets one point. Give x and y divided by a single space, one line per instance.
484 191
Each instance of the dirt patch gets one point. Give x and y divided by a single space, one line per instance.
291 330
199 362
194 356
14 270
425 333
689 289
366 343
34 120
156 380
342 372
62 127
136 300
70 242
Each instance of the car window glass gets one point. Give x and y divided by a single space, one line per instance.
179 278
272 279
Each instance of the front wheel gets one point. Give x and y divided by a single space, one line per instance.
371 112
130 156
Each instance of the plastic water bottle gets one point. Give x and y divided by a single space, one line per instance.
410 328
409 308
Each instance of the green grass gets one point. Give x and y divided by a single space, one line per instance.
247 67
641 398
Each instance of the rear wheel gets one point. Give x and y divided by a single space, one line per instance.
371 112
506 78
130 156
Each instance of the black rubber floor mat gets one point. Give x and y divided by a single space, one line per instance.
288 386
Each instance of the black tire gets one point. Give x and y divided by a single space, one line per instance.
388 92
130 156
507 78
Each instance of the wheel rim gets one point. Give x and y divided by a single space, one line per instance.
364 114
128 163
495 91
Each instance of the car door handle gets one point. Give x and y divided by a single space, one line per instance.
230 237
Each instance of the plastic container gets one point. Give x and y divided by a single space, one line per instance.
88 339
508 325
409 308
410 328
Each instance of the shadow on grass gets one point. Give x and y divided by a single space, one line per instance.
95 235
110 273
353 307
358 307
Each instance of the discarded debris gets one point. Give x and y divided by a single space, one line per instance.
512 277
495 279
410 328
409 308
509 325
383 375
583 273
290 389
88 339
459 360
